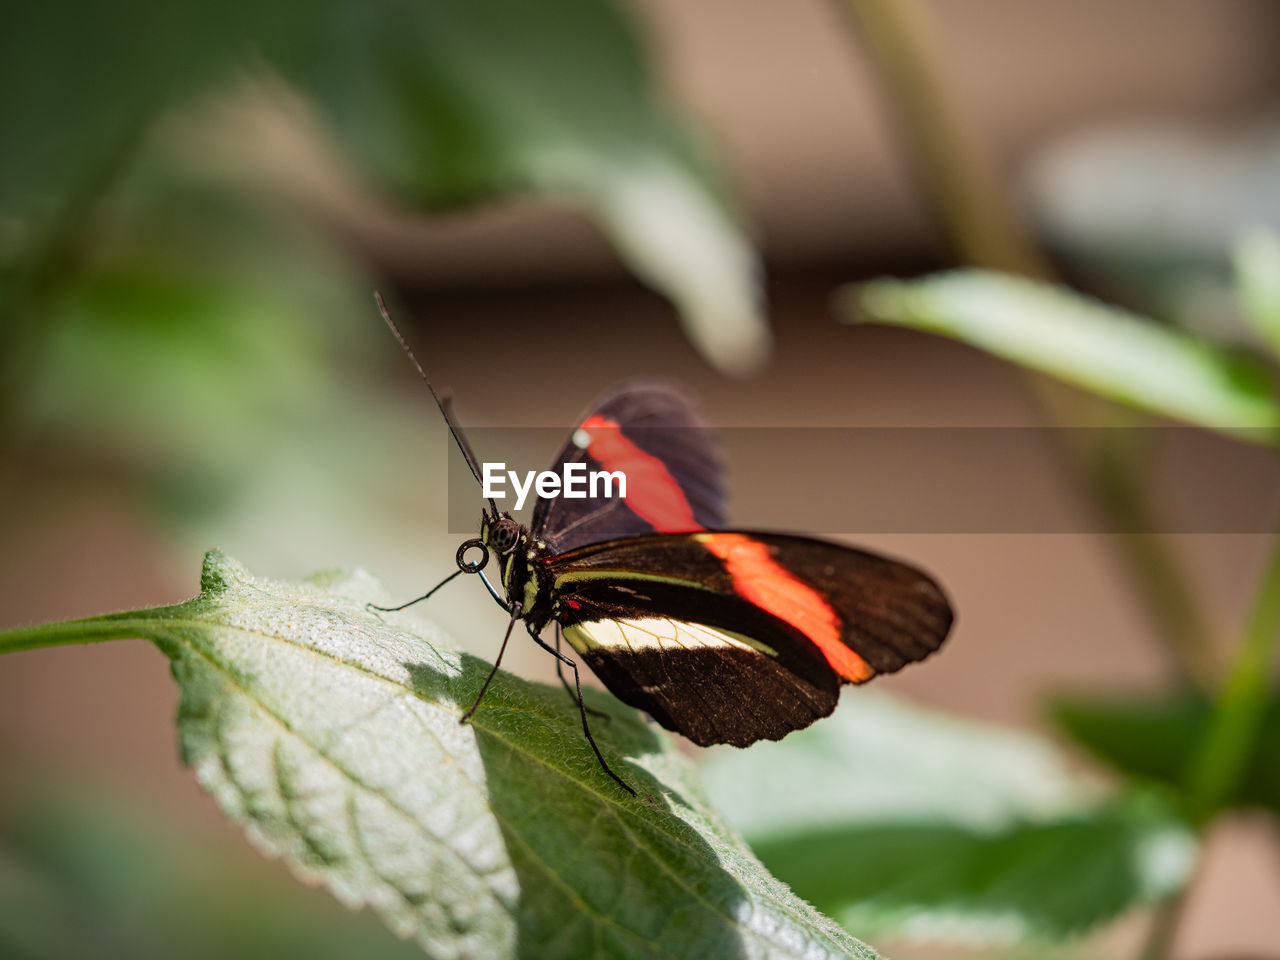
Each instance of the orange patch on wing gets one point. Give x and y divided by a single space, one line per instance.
762 580
652 492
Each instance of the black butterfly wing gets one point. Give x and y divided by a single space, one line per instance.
654 434
734 637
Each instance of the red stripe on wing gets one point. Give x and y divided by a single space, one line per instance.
652 492
759 578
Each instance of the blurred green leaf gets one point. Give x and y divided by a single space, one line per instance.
455 103
949 882
1257 264
1153 738
1102 194
168 352
943 770
1101 199
82 874
333 736
439 104
1080 340
673 235
84 82
917 825
186 361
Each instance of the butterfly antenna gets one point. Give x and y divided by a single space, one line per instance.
445 407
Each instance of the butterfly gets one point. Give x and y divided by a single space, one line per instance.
724 636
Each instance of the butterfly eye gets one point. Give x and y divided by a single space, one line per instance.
504 535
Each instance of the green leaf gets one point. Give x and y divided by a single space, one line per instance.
1257 268
1085 342
438 105
675 236
455 103
177 366
333 737
958 831
955 883
496 97
1152 739
94 77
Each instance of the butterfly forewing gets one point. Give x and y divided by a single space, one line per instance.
733 637
654 434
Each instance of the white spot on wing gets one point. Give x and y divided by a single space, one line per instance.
657 634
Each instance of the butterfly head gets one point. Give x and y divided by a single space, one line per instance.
499 534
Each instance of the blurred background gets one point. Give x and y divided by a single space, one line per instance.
194 215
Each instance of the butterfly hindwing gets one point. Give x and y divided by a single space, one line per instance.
710 684
654 434
731 637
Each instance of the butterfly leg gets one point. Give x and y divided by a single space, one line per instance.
582 708
515 615
565 683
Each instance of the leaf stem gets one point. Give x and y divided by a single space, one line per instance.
111 626
1161 582
972 210
1220 758
1164 926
